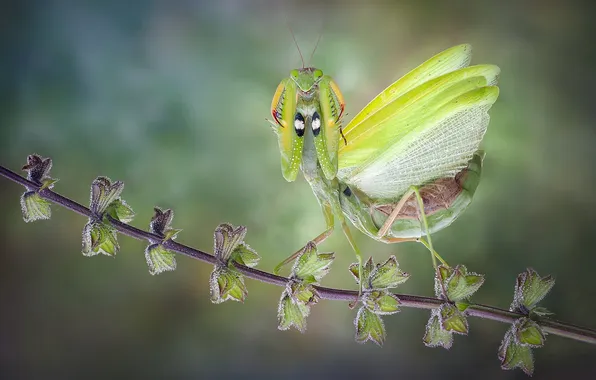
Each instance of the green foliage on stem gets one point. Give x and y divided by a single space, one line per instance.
300 294
226 283
376 299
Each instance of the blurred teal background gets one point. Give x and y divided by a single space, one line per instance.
171 97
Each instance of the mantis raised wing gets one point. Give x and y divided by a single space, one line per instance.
404 167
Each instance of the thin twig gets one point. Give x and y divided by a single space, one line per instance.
476 310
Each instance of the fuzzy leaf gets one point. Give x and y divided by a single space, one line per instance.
462 306
445 272
452 319
530 289
103 193
227 284
121 211
387 275
461 284
541 311
159 259
312 266
226 239
243 254
512 354
369 326
38 168
367 268
381 302
291 313
528 333
441 276
161 220
34 207
160 224
304 293
99 238
47 183
435 335
171 233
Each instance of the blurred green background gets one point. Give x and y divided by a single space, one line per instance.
171 97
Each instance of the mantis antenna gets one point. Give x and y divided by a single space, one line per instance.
297 47
315 49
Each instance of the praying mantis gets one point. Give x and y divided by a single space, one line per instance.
404 167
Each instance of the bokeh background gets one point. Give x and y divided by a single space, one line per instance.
171 97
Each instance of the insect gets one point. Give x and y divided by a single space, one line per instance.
403 168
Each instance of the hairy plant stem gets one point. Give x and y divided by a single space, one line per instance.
476 310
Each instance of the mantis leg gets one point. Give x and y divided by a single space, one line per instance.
391 218
428 244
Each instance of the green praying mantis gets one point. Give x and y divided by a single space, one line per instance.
403 168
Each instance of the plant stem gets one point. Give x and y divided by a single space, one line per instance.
476 310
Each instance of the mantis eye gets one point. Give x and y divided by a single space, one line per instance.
318 74
294 73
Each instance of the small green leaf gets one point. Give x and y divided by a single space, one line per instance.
103 193
388 304
121 211
38 169
461 284
34 207
99 238
452 319
304 293
312 266
226 239
512 354
291 313
159 259
381 302
387 275
445 272
541 311
462 306
171 233
243 254
227 284
530 289
527 332
47 183
103 239
369 326
367 268
435 335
